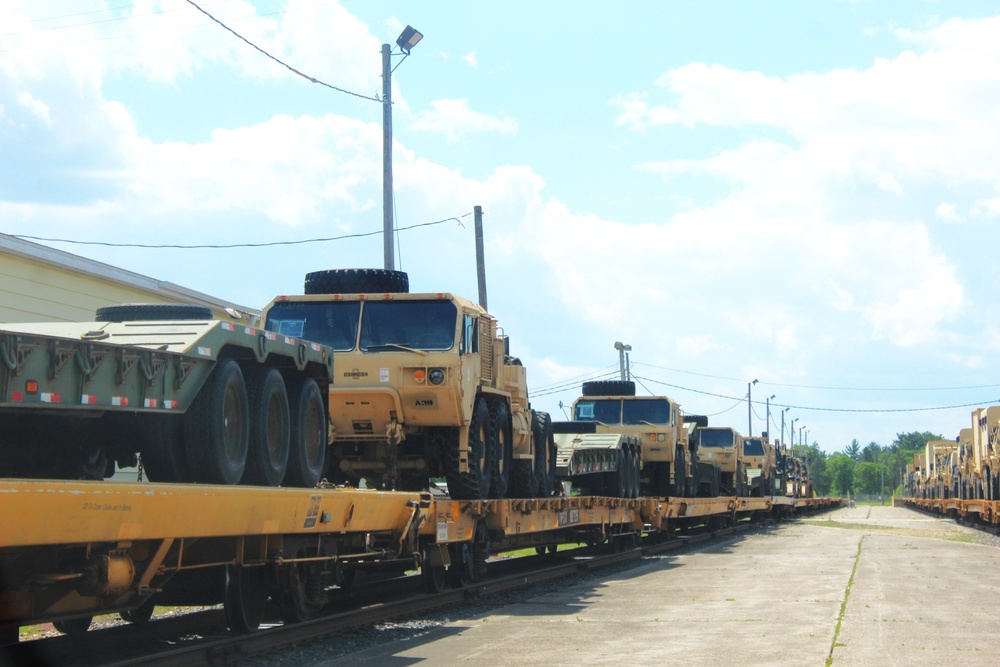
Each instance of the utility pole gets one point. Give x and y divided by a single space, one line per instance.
626 373
750 409
480 256
387 227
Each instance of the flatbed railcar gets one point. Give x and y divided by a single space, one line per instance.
70 550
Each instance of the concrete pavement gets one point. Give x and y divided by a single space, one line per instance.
918 591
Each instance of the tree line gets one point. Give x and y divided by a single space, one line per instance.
870 470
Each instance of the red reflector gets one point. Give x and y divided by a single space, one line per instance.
16 396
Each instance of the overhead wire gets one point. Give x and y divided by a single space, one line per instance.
235 245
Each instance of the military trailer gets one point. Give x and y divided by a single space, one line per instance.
425 387
191 398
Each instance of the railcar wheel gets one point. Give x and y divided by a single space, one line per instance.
216 427
474 484
301 590
139 615
245 598
73 626
307 435
267 454
502 443
433 577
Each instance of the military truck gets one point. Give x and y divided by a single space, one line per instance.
722 447
193 398
425 387
986 445
621 444
759 460
942 458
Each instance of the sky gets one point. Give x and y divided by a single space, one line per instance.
804 194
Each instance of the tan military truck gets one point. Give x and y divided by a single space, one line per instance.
942 457
722 447
425 387
760 462
647 437
986 446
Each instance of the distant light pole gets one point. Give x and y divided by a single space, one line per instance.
750 409
783 442
623 364
791 432
767 423
406 41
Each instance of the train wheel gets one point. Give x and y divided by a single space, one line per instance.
474 484
503 450
267 454
434 577
73 626
307 434
216 427
139 615
301 591
246 596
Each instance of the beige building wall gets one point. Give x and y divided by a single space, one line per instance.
41 284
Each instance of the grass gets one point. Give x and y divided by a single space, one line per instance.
843 604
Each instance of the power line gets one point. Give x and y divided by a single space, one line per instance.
279 61
822 409
235 245
807 386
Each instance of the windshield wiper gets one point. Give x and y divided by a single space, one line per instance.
394 346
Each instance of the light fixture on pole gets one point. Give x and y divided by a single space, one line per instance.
406 41
750 409
623 364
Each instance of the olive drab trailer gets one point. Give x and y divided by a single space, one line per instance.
425 387
195 399
624 445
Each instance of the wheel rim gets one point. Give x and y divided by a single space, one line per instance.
313 441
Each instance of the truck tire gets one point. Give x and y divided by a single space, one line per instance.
162 450
545 454
474 484
356 281
609 388
307 435
503 450
267 399
679 473
216 427
133 312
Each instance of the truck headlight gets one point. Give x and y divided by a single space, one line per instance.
436 376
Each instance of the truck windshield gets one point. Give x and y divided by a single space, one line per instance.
607 411
421 325
753 448
643 411
716 438
334 324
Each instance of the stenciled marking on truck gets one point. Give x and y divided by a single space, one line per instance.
312 513
355 374
106 507
568 517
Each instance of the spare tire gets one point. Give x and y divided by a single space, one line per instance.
131 312
356 281
609 388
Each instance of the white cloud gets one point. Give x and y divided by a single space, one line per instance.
471 59
454 118
946 211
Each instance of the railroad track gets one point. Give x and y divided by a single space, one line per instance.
201 638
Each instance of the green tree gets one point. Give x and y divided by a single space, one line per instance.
869 477
853 451
914 440
870 453
815 459
840 469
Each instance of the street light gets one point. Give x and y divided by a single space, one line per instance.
767 424
750 409
783 442
791 432
626 372
406 41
